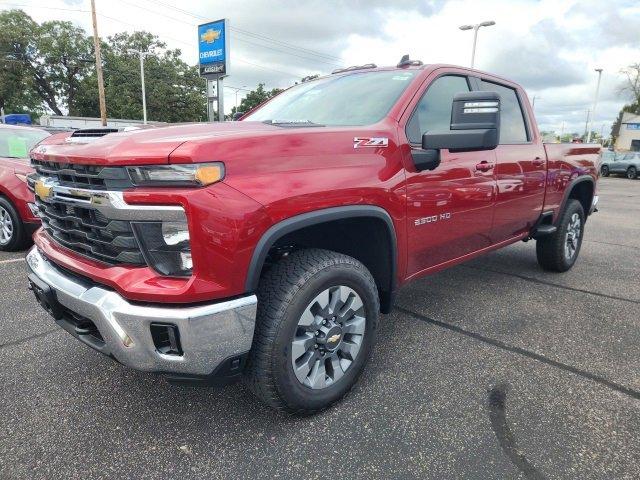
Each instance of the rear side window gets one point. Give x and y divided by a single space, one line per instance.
434 110
512 126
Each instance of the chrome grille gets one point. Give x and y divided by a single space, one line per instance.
85 230
93 177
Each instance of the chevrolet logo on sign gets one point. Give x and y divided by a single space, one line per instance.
43 191
210 36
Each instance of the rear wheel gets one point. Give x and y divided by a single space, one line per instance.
604 171
559 251
632 173
315 328
12 232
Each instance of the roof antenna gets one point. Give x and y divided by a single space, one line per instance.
406 62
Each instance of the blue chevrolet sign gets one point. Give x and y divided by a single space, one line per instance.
213 48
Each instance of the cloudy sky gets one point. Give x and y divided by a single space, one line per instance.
551 47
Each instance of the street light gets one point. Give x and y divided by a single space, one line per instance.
475 29
595 104
237 89
142 54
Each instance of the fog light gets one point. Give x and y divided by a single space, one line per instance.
185 258
165 246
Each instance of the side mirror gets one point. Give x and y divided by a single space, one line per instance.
237 116
475 125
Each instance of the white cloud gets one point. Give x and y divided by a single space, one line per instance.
551 47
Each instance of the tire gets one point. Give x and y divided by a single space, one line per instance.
632 173
12 232
559 251
290 301
604 171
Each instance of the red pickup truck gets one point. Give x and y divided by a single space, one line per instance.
267 248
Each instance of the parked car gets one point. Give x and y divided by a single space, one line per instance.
625 163
268 247
18 219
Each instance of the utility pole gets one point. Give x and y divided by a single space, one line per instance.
533 102
475 29
96 46
595 103
562 131
586 124
144 95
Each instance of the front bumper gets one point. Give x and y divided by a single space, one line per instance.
210 335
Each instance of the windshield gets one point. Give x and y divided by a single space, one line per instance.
355 99
16 143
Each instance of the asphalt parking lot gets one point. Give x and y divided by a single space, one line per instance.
493 369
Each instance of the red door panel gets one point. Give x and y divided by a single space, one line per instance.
520 177
449 209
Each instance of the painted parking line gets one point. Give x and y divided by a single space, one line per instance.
12 260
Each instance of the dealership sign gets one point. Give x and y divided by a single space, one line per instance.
213 48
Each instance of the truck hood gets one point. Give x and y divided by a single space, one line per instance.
141 147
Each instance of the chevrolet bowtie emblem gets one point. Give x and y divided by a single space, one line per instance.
334 338
43 191
210 36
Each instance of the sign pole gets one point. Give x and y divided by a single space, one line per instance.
220 99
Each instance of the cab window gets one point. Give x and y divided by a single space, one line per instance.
512 126
434 109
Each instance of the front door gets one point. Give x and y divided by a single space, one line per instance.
449 209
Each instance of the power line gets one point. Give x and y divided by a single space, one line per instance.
236 58
249 33
236 33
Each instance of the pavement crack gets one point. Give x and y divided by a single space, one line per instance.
635 394
31 337
507 441
550 284
612 244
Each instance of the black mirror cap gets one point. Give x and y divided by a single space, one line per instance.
237 116
461 140
475 110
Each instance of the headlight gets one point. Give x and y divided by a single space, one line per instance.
165 246
195 174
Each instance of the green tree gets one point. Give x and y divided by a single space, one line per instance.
49 62
256 97
174 90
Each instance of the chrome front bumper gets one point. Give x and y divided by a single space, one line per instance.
209 334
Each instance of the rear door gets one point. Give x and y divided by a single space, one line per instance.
521 167
449 209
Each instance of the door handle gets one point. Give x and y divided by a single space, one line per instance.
484 166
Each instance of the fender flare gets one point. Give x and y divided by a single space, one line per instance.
291 224
567 191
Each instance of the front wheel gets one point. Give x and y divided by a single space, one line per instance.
12 232
315 328
604 171
632 173
559 251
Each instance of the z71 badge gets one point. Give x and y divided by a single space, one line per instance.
360 142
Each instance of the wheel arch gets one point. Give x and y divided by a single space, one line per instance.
354 223
581 188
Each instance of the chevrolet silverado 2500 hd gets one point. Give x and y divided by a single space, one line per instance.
268 247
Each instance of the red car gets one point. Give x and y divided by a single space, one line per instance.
18 219
269 246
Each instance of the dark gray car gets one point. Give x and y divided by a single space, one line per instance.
625 163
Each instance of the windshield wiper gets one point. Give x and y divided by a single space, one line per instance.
293 123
